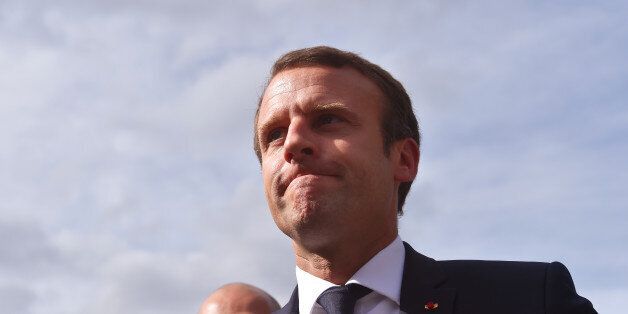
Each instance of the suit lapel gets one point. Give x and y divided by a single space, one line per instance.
419 287
292 307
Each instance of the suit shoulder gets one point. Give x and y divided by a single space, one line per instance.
545 287
504 286
560 292
495 273
492 267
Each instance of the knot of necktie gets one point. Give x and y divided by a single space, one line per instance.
342 299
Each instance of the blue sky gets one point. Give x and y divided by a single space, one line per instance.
128 183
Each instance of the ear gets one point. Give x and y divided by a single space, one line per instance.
407 163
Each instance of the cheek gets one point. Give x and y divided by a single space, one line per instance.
341 148
364 152
371 166
270 167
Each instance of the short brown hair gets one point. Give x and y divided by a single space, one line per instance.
398 122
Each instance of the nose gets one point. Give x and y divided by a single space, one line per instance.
298 143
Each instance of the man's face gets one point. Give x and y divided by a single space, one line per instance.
326 176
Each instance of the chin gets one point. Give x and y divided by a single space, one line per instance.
314 209
312 225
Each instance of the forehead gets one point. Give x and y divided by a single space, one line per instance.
310 85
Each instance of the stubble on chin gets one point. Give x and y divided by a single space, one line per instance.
304 210
313 225
300 218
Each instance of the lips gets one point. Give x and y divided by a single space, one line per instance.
285 178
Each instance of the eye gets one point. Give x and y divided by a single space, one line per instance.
274 135
328 119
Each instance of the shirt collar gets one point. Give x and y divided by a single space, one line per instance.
382 274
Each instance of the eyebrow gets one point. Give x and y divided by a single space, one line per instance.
337 108
334 106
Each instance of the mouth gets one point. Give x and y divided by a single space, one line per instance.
305 179
299 180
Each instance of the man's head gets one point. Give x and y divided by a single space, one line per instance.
335 149
239 298
397 119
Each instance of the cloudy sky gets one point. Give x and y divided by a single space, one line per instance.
128 183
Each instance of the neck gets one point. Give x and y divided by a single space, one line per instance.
338 262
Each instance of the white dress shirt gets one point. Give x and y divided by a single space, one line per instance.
382 274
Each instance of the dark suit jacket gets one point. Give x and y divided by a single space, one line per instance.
482 287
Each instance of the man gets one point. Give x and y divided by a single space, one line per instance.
239 298
338 144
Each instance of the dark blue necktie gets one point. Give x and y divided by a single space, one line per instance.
341 299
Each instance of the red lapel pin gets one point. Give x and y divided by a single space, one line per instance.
431 306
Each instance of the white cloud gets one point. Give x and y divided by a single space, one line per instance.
16 299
